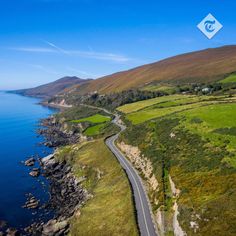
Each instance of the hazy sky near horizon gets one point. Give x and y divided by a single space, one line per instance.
43 40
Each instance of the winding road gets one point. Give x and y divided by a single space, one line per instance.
145 222
144 215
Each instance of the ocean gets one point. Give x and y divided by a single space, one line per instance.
19 119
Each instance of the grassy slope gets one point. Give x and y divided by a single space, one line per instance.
77 113
110 211
94 130
211 188
187 68
200 159
229 79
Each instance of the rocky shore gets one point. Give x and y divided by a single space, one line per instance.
56 133
66 197
66 193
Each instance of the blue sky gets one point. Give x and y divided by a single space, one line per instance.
43 40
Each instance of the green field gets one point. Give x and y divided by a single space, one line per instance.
216 123
110 211
153 113
94 122
229 79
76 113
132 107
94 130
185 100
95 119
140 112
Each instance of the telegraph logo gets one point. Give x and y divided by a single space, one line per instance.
210 26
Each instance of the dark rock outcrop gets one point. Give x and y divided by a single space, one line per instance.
12 232
66 193
66 196
30 162
56 135
35 172
31 203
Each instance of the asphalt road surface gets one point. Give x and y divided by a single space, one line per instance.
146 225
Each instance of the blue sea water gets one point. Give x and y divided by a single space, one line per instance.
19 118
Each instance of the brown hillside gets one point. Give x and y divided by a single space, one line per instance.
53 88
197 67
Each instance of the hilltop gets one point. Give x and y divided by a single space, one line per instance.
53 88
206 66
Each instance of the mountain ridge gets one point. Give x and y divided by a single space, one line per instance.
198 67
204 66
52 88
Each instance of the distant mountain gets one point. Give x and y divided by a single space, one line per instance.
196 67
53 88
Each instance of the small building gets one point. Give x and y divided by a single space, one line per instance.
206 90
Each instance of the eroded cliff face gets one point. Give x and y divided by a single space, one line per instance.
178 231
141 163
144 166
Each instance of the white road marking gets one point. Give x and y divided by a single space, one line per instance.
145 220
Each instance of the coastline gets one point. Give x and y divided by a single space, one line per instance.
25 189
43 99
67 196
55 105
61 171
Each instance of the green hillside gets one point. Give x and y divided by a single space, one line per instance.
193 140
229 79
